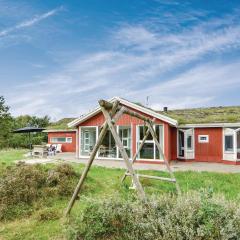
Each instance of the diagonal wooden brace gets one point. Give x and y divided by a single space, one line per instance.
124 155
150 127
136 154
90 161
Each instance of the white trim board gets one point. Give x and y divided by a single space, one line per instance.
127 103
60 130
210 125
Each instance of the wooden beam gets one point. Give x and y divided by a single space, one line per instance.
155 177
161 154
139 149
124 155
89 163
136 154
107 105
118 115
137 115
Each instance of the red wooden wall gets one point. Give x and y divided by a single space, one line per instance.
204 152
173 143
127 120
211 151
66 147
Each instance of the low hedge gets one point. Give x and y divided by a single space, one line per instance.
188 217
24 187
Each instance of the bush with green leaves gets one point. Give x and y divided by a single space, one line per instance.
22 187
187 217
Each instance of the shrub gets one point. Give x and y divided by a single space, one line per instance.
188 217
47 215
22 186
63 178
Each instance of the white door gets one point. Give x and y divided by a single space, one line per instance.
186 143
189 144
181 144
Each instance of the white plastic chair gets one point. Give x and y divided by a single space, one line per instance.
59 148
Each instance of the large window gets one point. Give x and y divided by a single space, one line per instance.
160 138
149 149
108 147
88 140
229 143
61 140
125 136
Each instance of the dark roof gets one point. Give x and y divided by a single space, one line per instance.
205 115
28 130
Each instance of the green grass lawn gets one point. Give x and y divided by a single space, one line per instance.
103 183
9 156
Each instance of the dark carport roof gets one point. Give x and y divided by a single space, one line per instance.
28 129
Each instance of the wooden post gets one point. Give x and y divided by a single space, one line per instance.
150 127
136 154
89 163
138 151
124 155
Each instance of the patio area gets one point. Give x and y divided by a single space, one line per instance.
111 163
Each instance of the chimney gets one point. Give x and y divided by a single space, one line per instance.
165 109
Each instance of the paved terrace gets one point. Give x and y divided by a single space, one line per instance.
176 165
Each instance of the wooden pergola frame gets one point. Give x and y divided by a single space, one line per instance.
112 112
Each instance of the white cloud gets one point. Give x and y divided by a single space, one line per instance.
29 23
199 86
140 62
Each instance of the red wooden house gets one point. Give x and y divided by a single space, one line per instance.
66 137
210 142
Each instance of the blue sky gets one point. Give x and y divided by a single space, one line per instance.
60 57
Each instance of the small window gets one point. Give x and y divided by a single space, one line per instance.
189 142
203 138
229 143
61 140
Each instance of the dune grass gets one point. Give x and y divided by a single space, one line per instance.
103 183
205 115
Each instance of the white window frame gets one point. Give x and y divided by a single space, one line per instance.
67 140
80 135
187 151
138 141
203 141
187 136
128 126
86 145
229 135
97 135
231 132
